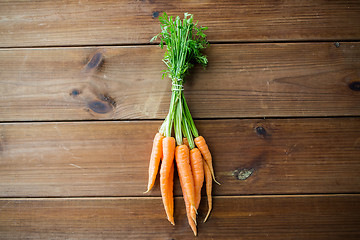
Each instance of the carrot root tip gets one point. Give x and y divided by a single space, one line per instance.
171 220
207 215
193 206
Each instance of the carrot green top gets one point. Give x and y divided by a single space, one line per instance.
184 41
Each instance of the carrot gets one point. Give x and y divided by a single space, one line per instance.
197 168
188 212
208 180
156 155
171 188
165 172
185 175
204 149
185 41
185 142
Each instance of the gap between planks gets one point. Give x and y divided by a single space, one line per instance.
179 197
155 44
162 119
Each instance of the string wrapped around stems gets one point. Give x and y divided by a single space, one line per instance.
177 85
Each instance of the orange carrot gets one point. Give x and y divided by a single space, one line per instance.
185 142
188 212
165 172
208 180
197 168
156 155
185 175
171 188
204 149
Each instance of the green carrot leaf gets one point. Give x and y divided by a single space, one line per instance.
184 41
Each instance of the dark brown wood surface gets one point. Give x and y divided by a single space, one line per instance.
81 98
111 158
242 80
258 217
49 23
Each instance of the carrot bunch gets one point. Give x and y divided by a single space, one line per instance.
178 141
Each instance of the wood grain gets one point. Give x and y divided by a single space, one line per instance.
49 23
65 63
270 217
288 156
242 80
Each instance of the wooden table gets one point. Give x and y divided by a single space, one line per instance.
81 97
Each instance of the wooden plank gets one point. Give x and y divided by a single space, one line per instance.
270 217
288 156
242 80
45 23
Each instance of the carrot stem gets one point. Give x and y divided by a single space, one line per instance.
178 121
189 117
187 133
